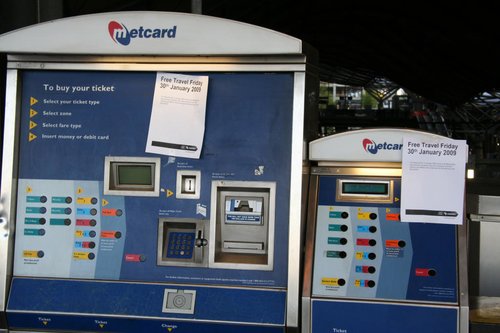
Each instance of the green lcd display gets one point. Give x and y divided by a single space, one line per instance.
135 175
365 188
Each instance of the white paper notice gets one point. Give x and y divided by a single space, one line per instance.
177 124
433 180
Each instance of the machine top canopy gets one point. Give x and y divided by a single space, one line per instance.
368 145
147 33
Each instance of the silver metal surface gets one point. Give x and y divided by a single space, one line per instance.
184 67
9 183
357 171
294 228
483 208
193 176
244 246
463 276
485 218
309 254
489 205
489 252
355 164
484 214
197 226
16 60
220 231
179 301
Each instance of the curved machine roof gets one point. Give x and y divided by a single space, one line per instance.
148 33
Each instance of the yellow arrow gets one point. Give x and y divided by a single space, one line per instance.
33 113
33 100
396 199
79 190
387 210
44 322
101 325
32 124
29 189
170 329
169 193
31 137
105 202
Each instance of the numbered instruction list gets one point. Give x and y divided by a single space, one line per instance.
62 112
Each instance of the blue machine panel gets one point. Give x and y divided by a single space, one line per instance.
68 228
347 316
362 250
248 124
124 307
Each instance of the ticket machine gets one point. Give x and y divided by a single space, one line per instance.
365 270
151 175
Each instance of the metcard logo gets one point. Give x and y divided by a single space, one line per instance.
369 146
372 147
120 34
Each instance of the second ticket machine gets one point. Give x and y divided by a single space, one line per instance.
365 270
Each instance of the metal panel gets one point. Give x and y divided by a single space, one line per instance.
364 145
485 217
148 33
463 281
175 64
159 59
309 254
358 171
221 189
489 252
9 187
489 205
294 238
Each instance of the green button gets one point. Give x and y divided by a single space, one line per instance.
335 215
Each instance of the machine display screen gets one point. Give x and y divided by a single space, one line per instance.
365 188
131 175
135 175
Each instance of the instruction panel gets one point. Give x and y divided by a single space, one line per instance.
93 191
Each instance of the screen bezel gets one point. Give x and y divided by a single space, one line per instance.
343 196
117 172
113 186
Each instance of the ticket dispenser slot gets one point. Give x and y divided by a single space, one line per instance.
182 242
244 225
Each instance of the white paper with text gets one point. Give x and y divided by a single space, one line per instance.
433 180
177 124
